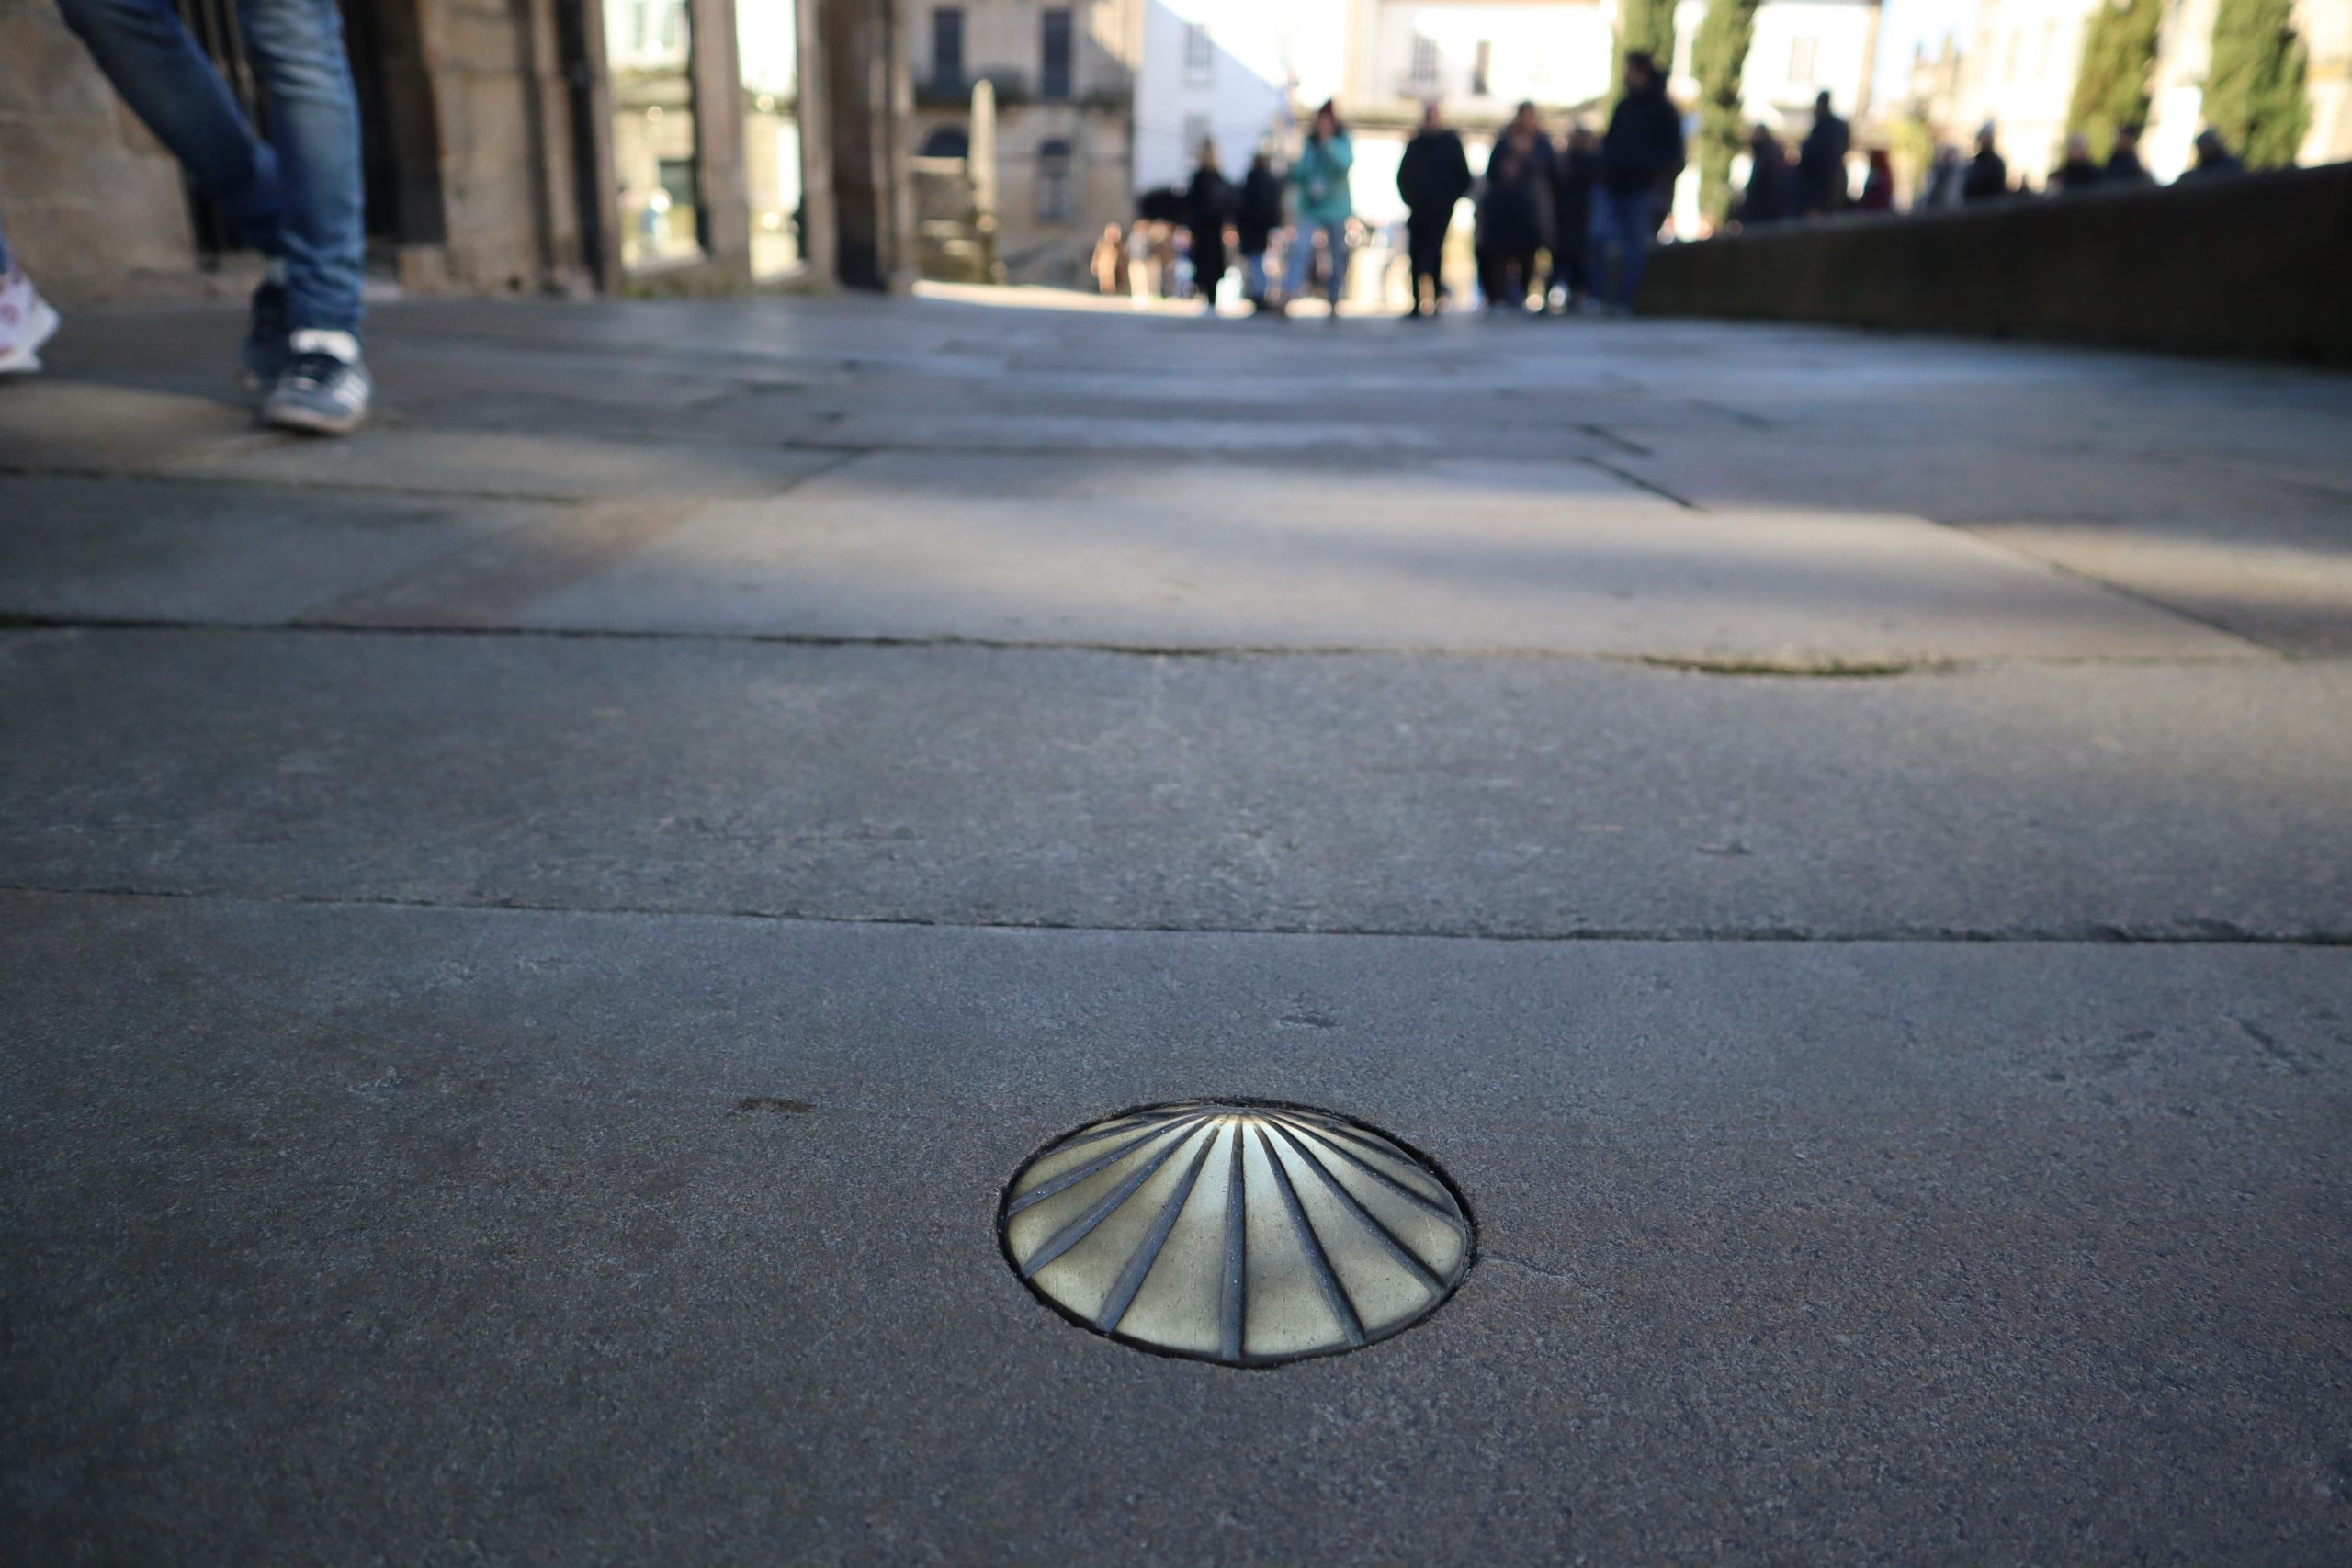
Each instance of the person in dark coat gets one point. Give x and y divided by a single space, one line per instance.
2079 173
1821 161
1768 195
1259 214
1573 173
2213 157
1209 202
1639 158
1432 176
1515 207
1988 173
1878 185
2123 165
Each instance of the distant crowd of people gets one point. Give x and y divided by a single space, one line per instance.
1592 204
1812 181
1588 205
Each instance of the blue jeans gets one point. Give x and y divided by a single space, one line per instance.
297 198
1621 218
1253 274
1302 257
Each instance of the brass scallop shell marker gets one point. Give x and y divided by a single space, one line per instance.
1242 1234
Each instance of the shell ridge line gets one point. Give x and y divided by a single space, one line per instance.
1404 1255
1335 1294
1236 1248
1158 1116
1338 1133
1071 1179
1419 1200
1070 1234
1131 1278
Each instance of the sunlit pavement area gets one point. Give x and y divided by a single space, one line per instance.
535 936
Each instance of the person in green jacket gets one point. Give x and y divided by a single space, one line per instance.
1318 178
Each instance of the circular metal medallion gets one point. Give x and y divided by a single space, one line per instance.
1244 1233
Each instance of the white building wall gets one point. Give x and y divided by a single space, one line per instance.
1804 47
1259 50
2326 29
2020 74
2185 54
1556 54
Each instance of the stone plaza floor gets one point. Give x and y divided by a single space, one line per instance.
532 939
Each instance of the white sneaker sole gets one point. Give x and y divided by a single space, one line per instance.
41 325
311 421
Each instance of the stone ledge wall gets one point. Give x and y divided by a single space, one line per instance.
2257 265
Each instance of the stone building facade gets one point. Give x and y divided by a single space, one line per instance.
1062 75
510 145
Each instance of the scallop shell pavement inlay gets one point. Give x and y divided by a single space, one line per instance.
1251 1235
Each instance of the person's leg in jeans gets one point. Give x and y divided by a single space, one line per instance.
1340 258
1636 226
299 202
1603 241
297 51
1298 264
147 52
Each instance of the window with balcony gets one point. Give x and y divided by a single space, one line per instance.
1423 79
1482 70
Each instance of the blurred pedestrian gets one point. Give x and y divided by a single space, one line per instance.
2079 172
1765 198
1877 184
1109 261
1259 214
1516 203
2213 157
1639 158
1941 185
1141 283
296 196
1432 176
1318 181
27 321
1209 203
1821 160
1988 173
1572 176
2123 165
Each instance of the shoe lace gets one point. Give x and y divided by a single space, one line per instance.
313 369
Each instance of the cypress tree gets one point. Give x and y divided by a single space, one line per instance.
2111 86
1718 56
1643 26
2254 89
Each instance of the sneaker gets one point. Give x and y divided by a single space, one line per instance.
263 358
27 321
323 388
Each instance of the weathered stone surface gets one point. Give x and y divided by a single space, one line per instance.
565 1236
1516 798
351 1216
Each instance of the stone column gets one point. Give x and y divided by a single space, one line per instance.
868 95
